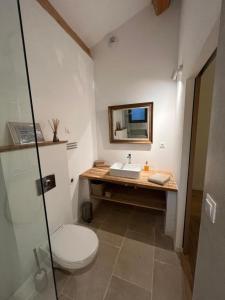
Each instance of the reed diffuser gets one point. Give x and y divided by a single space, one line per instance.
54 126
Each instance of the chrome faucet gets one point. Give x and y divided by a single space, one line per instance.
129 157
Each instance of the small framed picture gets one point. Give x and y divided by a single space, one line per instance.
23 133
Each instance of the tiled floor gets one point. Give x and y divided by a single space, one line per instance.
135 260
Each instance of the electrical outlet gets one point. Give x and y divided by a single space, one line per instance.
162 145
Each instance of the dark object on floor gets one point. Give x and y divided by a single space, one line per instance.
87 212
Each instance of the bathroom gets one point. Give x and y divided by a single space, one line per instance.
72 225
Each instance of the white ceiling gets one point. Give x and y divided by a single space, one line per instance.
93 19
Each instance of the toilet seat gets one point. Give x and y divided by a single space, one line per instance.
74 247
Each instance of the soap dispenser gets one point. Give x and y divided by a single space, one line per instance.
146 167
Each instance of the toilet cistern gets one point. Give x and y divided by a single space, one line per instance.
129 157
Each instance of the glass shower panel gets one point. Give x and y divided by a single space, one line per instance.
25 261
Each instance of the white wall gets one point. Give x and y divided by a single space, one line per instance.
62 87
138 69
14 98
58 200
198 39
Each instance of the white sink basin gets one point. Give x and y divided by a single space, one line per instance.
125 170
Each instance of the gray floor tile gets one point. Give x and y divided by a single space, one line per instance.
160 219
122 290
167 256
142 221
94 225
114 226
68 288
48 293
112 233
135 263
163 241
61 278
119 215
120 207
168 282
63 297
148 238
108 211
92 283
101 212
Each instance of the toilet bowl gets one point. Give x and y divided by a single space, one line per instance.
74 247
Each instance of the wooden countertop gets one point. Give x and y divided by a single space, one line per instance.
103 175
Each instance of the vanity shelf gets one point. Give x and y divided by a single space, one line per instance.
10 148
138 197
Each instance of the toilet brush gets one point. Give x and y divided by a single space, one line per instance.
40 277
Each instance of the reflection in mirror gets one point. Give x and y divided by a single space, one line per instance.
131 123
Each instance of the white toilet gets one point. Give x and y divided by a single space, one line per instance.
74 247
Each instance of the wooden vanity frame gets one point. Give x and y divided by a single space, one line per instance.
138 192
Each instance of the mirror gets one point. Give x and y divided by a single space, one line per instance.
131 123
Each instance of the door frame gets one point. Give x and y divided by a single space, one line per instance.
192 150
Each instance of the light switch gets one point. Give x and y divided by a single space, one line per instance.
210 208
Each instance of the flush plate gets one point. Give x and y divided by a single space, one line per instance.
210 208
48 184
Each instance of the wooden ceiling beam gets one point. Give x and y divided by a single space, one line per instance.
59 19
160 6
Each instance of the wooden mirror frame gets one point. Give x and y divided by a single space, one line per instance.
149 140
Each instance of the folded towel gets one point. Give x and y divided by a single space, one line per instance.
99 163
159 178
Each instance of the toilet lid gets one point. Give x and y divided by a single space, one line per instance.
73 246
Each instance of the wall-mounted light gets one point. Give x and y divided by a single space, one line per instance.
177 73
